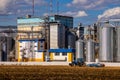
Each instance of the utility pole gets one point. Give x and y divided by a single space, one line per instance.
47 35
32 45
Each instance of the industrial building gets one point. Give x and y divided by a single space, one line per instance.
57 35
31 37
51 29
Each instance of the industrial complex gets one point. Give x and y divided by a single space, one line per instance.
54 39
60 39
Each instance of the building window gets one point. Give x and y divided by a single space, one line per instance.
57 54
64 54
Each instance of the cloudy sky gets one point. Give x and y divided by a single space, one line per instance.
84 11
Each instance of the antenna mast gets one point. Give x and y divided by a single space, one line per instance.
51 7
33 7
57 7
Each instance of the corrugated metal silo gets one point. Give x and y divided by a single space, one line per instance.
117 56
79 49
90 49
106 43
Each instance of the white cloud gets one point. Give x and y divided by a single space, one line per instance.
38 2
81 14
79 1
11 6
91 4
110 13
76 14
5 4
94 4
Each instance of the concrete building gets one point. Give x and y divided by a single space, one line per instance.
57 35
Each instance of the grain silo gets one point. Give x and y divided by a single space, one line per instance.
90 51
117 55
107 42
79 49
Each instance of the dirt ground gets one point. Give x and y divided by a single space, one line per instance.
58 73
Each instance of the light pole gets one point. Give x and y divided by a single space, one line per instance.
32 45
47 37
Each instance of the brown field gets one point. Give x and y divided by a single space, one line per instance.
58 73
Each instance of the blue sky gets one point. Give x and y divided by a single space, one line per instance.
85 11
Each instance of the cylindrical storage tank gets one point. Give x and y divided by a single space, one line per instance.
71 38
106 43
117 56
90 51
4 51
79 49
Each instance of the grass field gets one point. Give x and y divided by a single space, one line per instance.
58 73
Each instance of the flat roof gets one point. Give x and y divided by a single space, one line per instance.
63 16
62 50
27 40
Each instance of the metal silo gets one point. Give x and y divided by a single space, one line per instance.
79 49
90 49
117 56
71 38
106 43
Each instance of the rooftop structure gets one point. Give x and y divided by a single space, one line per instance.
67 21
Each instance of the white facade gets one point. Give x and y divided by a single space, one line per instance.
60 56
57 36
38 55
30 46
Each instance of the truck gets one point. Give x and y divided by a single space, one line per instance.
79 62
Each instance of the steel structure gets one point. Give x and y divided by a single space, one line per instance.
90 49
79 49
107 48
117 56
